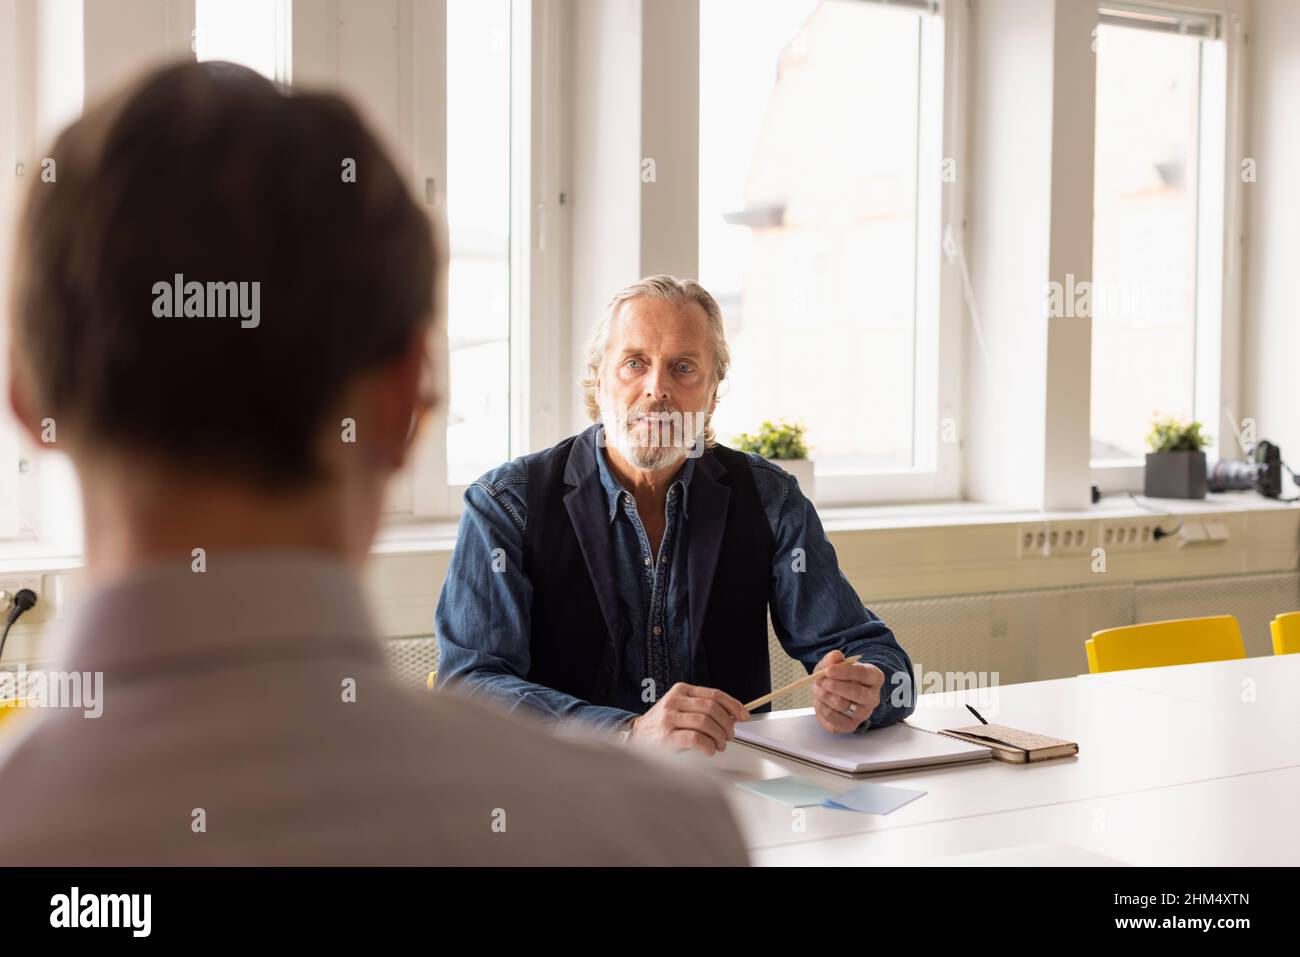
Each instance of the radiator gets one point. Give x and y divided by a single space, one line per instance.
1021 635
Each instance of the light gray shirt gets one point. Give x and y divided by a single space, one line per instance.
248 717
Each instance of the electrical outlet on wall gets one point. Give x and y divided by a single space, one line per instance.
1053 539
1134 534
10 585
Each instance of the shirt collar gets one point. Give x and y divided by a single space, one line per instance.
613 491
245 604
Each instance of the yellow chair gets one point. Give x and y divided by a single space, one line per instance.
11 706
1286 633
1183 641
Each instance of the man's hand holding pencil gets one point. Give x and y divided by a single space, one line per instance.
845 692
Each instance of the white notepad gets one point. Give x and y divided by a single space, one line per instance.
796 734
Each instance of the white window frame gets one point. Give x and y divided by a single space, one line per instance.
10 151
43 48
544 334
537 256
937 389
1216 379
937 401
422 492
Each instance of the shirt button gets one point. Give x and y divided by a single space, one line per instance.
658 630
627 499
647 561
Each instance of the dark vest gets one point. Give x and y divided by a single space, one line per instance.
578 634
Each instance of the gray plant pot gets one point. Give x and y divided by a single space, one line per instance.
802 470
1174 475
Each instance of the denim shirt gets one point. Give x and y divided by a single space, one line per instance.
482 621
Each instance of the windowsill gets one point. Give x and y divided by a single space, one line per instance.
932 514
419 536
416 535
441 535
21 556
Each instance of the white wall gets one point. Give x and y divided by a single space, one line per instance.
1271 345
606 196
550 383
635 86
670 124
129 36
1066 478
9 155
1031 145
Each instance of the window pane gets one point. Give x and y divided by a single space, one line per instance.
808 230
1144 236
478 218
253 33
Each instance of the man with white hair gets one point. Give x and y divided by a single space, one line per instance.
624 577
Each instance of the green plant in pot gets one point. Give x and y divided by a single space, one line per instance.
782 443
1175 466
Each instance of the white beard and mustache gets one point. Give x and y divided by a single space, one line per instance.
668 439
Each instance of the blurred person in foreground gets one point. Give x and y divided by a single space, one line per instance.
232 340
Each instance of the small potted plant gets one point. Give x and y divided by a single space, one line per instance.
1175 466
782 443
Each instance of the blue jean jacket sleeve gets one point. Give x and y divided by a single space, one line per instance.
482 621
814 607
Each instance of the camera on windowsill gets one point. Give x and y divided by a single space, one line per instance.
1261 471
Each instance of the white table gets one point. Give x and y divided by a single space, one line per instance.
1174 767
1266 685
1234 821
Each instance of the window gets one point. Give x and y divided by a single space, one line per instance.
9 453
438 83
253 33
478 223
1157 228
821 157
476 37
486 72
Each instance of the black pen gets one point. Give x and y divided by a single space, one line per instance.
977 714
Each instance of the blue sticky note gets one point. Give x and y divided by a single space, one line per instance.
872 799
789 790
